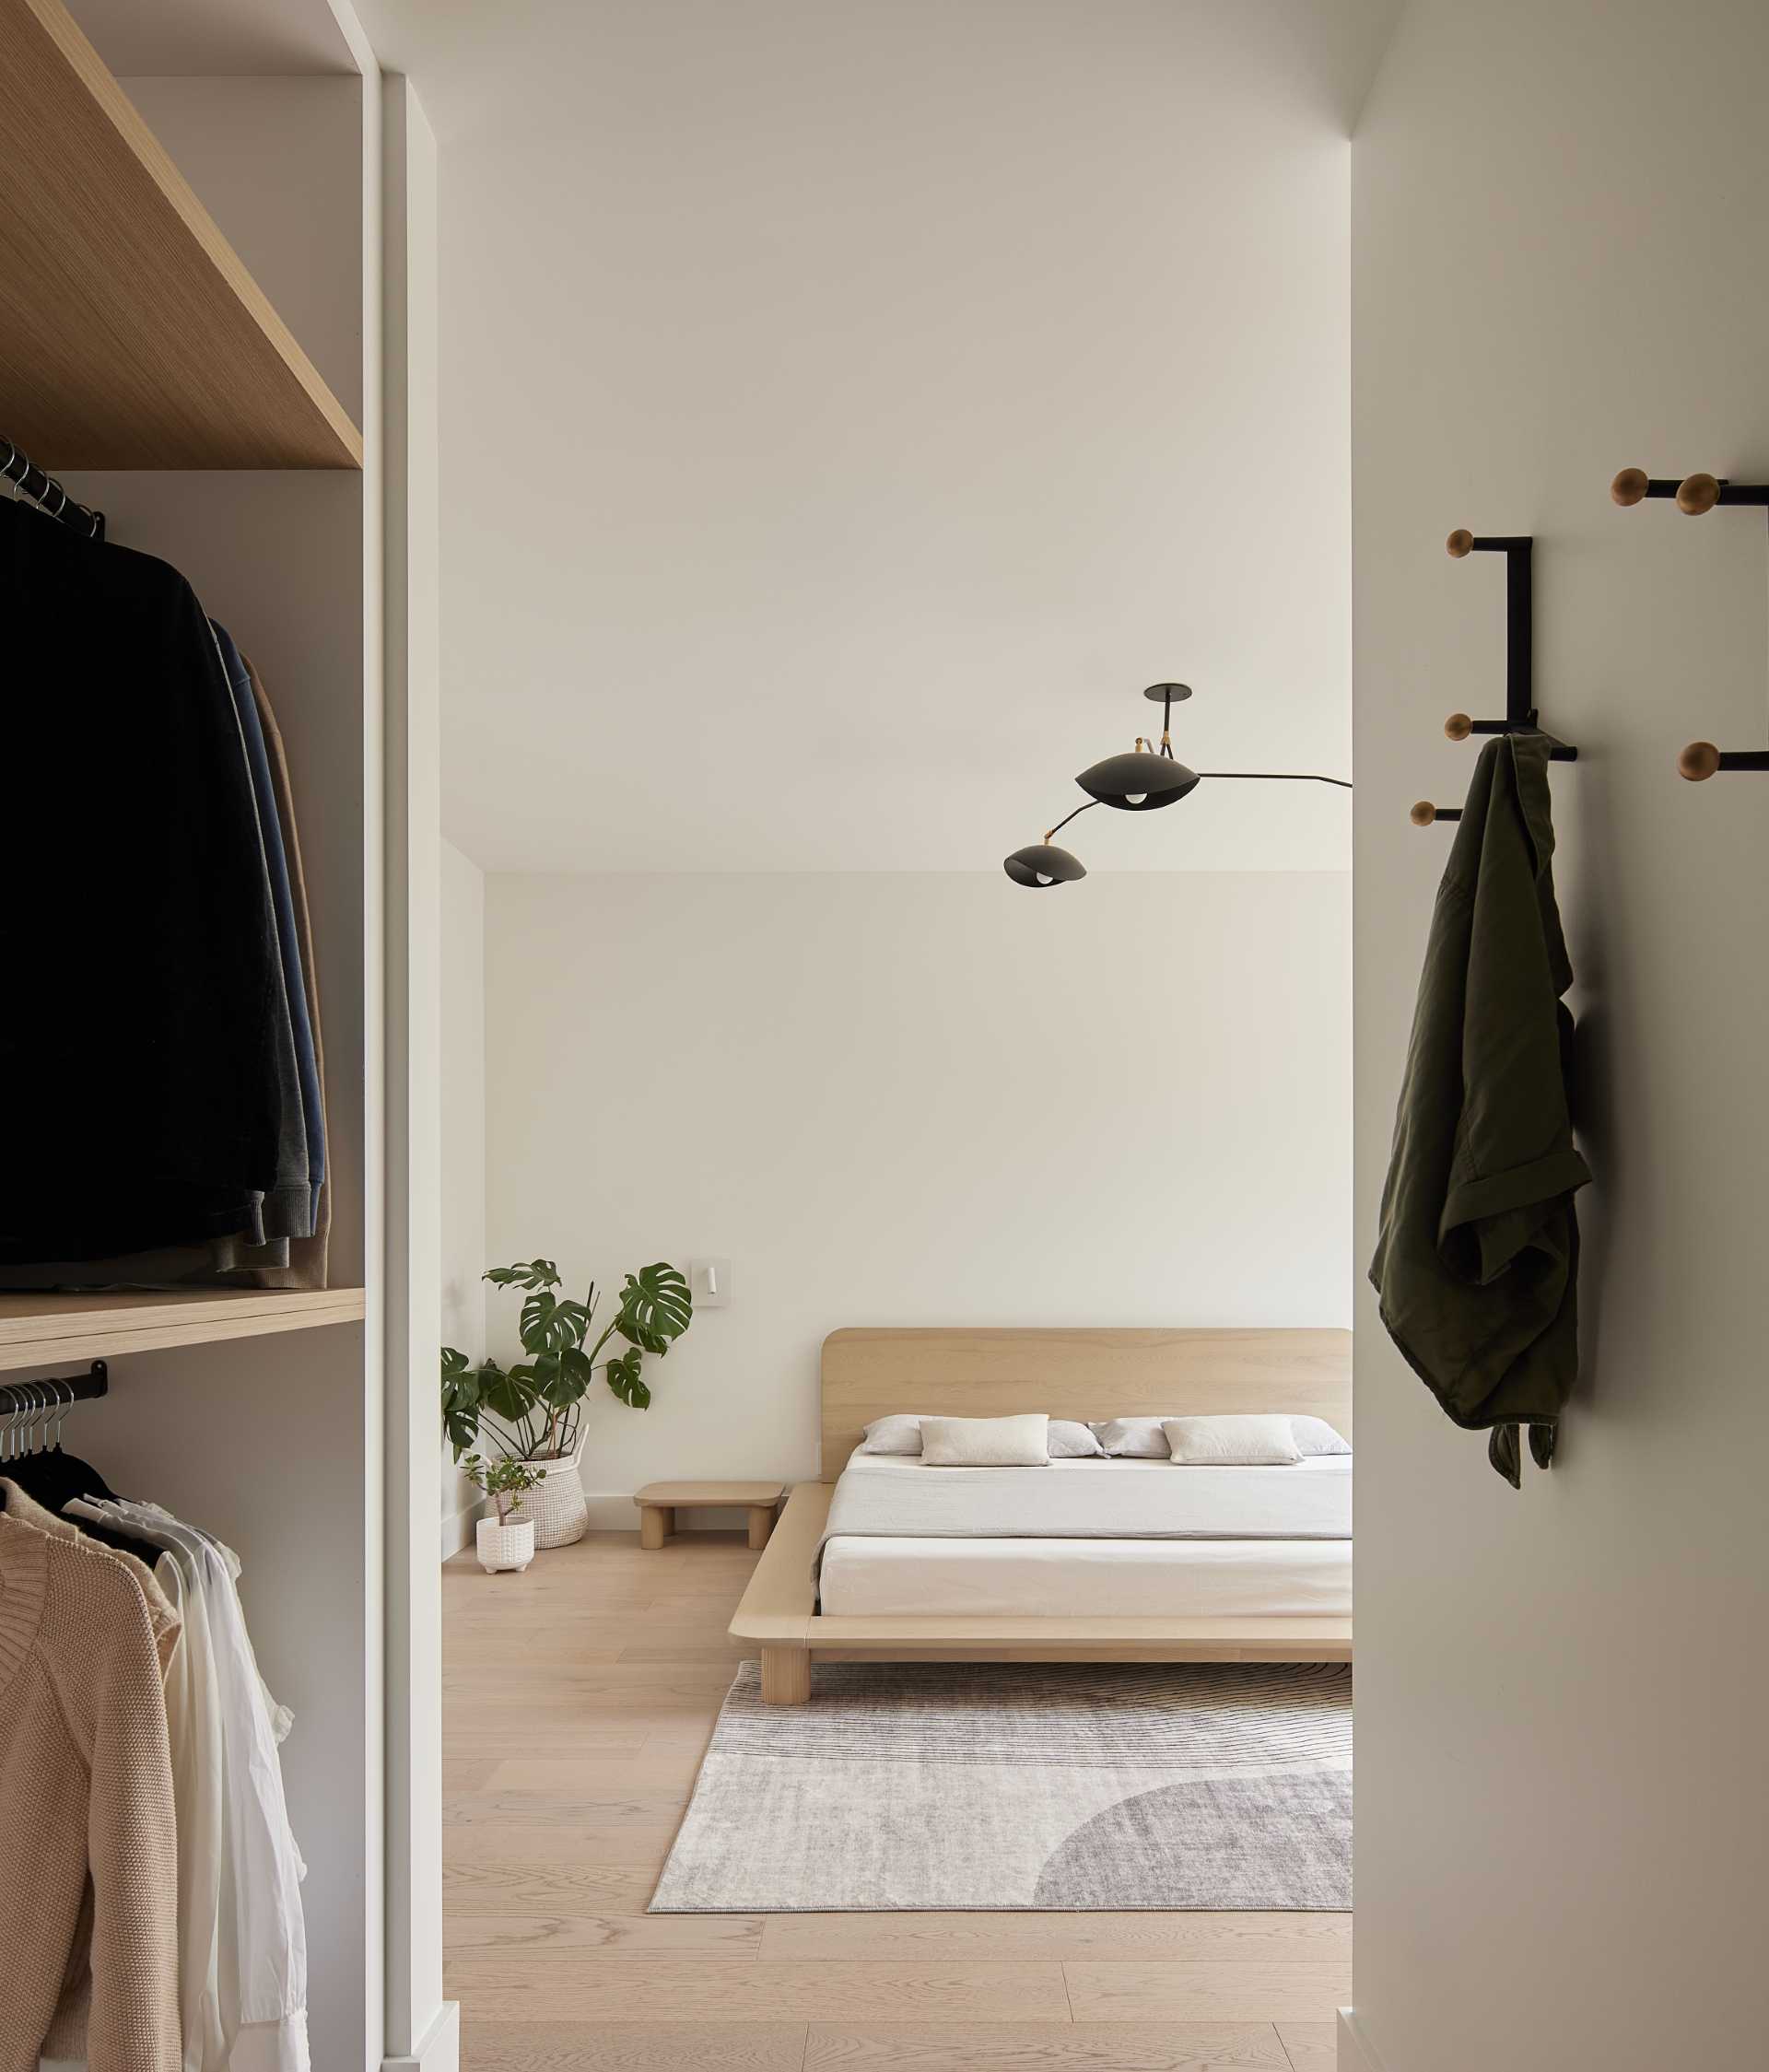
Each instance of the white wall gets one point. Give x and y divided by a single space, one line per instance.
912 1099
464 1145
1558 238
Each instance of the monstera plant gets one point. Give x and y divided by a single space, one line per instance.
533 1408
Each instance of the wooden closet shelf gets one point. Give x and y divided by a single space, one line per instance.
131 334
45 1330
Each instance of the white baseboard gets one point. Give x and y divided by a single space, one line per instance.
440 2050
1355 2053
457 1530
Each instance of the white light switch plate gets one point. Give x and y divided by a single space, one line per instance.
710 1283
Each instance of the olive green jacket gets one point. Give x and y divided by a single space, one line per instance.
1477 1265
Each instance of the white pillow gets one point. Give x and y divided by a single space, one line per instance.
1132 1438
1315 1435
1069 1441
986 1441
893 1434
1232 1442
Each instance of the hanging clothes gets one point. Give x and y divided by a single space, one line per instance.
178 1135
242 1933
90 1828
151 1112
1477 1264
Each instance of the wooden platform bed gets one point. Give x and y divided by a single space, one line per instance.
1088 1375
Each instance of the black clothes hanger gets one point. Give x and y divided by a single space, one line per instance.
51 1476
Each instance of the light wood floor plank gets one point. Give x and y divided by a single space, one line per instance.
630 1845
1312 2046
1002 1938
1113 2046
631 2046
1207 1991
583 1813
725 1989
550 1889
591 1776
554 1937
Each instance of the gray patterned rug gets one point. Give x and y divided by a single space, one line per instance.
1047 1786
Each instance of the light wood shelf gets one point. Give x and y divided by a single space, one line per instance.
131 334
45 1330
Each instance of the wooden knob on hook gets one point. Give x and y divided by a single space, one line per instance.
1629 486
1458 544
1457 727
1424 814
1697 492
1698 761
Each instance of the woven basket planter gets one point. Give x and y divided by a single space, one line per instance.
557 1507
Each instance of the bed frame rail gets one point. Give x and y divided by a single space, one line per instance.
778 1615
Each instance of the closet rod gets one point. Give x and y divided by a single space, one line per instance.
18 1397
47 494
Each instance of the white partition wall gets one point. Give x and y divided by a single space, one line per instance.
1557 243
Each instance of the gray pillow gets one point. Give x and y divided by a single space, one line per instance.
893 1434
1315 1435
1069 1441
1133 1438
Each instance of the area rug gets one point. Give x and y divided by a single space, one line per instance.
1059 1787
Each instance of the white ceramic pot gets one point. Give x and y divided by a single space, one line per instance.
505 1546
557 1507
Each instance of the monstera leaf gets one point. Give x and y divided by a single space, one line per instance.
623 1376
525 1273
461 1397
507 1394
655 1308
550 1326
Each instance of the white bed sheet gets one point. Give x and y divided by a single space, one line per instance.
1087 1578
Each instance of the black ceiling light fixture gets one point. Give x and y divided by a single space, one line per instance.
1147 778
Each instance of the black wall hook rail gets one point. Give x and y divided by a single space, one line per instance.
1520 715
47 494
1695 495
17 1398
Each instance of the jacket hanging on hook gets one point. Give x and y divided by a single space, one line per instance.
1477 1263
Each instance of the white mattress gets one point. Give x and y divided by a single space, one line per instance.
896 1496
1088 1578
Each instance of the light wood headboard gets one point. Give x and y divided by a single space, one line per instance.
1087 1376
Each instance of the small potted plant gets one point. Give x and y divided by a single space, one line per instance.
533 1409
505 1542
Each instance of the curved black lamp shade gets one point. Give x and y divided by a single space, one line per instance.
1041 866
1137 781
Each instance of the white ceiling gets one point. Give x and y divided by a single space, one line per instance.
851 405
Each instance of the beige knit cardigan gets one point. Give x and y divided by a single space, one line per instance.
85 1790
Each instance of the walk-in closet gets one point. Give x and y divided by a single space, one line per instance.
208 259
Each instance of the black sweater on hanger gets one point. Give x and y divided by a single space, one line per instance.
139 1100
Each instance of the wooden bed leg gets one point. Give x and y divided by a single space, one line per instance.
656 1522
786 1676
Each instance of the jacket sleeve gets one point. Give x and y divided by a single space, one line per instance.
132 1843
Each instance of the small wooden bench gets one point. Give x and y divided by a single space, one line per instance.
659 1501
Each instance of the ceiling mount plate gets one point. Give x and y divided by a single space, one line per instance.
1158 693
